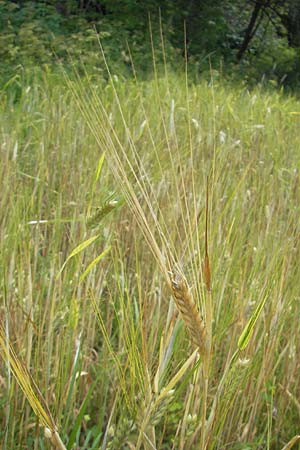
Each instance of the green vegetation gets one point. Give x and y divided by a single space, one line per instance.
100 334
252 40
149 227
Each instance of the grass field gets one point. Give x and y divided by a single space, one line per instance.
149 265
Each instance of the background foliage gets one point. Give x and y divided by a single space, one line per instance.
255 39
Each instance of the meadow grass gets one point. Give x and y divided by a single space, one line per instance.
149 265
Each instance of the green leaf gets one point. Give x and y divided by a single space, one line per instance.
99 167
248 330
81 415
77 250
93 263
178 375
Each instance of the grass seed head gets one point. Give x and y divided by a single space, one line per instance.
189 312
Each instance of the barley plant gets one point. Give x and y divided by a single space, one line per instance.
149 263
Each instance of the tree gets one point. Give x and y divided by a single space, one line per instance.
291 21
254 22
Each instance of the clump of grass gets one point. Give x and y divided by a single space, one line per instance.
30 389
131 173
113 315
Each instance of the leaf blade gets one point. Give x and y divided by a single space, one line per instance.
77 250
93 263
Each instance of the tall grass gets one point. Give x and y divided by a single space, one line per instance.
146 349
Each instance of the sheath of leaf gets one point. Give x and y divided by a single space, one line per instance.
189 311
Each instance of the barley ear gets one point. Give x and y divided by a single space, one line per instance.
189 312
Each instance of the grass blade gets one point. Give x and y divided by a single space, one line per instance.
77 250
